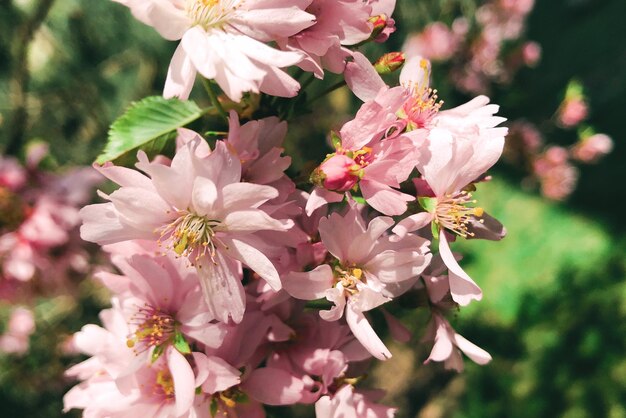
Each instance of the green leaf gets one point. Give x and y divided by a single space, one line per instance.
157 352
149 124
359 199
181 344
428 203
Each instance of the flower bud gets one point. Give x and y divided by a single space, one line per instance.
336 173
380 23
389 62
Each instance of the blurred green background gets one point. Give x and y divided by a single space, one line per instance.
554 312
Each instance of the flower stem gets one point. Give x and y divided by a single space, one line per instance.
330 89
213 96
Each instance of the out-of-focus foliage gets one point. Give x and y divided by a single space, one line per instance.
553 312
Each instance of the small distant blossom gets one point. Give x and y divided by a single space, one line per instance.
20 327
591 148
572 112
436 42
556 175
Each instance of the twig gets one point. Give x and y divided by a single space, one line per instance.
20 76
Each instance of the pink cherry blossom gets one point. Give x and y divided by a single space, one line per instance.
198 209
368 270
20 327
590 149
462 145
449 345
381 157
436 42
225 40
162 301
338 23
347 403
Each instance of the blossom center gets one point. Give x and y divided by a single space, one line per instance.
226 400
211 13
349 280
192 235
164 384
453 213
423 105
154 328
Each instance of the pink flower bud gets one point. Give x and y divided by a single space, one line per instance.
21 323
336 173
531 53
389 62
592 148
572 112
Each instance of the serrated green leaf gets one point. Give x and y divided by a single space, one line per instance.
150 123
181 344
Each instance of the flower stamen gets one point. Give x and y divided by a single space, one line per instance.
153 328
453 214
211 13
349 280
192 235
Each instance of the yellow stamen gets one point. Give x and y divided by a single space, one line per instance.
453 214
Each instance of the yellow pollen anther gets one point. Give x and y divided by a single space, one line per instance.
164 383
191 235
349 279
211 13
453 214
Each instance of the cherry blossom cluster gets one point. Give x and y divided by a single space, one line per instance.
478 45
480 55
40 249
238 288
553 167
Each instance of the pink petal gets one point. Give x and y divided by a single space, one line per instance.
412 223
366 335
253 221
222 287
397 329
273 386
462 287
362 78
255 260
203 196
184 380
240 196
361 248
181 75
471 350
383 198
320 197
309 285
214 374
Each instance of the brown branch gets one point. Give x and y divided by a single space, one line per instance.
20 76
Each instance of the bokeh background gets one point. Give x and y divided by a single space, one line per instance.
554 310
